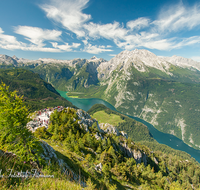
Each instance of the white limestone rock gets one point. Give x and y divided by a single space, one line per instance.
108 128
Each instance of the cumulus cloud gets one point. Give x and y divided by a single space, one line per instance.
161 33
9 42
67 13
141 32
38 35
108 31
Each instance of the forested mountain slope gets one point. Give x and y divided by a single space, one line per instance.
163 91
36 92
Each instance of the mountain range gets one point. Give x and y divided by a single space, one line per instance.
161 90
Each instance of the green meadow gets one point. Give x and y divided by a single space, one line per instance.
104 117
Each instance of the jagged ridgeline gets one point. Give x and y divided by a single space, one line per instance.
36 92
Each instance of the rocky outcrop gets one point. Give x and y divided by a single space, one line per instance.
136 154
86 121
108 128
124 134
98 136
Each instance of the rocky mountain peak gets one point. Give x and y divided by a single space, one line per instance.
94 57
183 62
7 60
14 57
140 59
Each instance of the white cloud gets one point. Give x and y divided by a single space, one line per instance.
108 31
162 44
94 49
138 23
187 42
161 34
177 18
144 39
112 55
11 43
141 32
66 46
38 35
68 14
37 48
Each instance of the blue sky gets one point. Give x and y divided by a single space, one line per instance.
67 29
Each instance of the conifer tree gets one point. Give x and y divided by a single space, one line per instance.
14 135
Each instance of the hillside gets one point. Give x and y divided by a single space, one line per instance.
36 92
76 147
91 156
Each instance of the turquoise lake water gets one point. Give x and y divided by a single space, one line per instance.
163 138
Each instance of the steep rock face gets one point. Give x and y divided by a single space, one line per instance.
85 76
167 105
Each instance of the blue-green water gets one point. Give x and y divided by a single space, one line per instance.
162 138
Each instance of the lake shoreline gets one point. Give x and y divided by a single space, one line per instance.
162 138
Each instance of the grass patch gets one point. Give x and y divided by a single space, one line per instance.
45 183
73 96
103 117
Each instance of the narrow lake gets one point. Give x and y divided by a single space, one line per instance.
163 138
